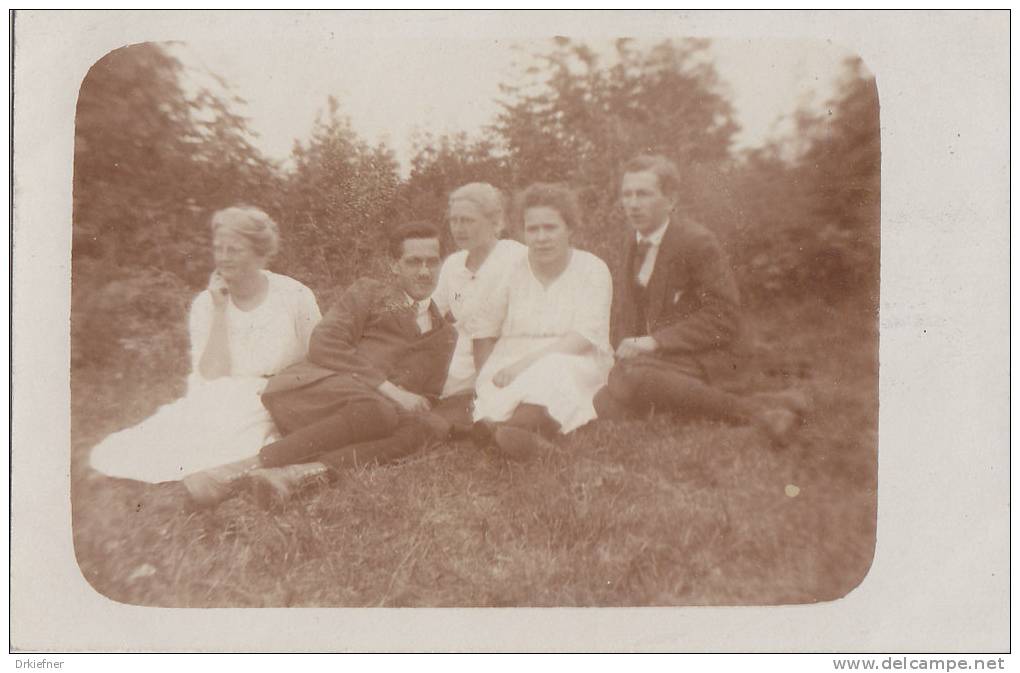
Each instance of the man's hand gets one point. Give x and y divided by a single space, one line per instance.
635 346
412 402
405 399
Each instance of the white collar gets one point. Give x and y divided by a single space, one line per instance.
655 238
496 251
421 306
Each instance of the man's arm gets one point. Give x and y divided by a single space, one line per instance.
334 344
404 398
716 321
334 341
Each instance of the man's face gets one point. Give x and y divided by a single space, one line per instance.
417 267
644 204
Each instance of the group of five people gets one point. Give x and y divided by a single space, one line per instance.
506 343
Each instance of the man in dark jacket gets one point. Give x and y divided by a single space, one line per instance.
676 313
376 363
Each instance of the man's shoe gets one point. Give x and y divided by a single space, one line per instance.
518 444
481 433
275 486
213 486
797 401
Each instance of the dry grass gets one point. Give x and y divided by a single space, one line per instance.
637 513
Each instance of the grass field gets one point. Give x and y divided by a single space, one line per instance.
649 512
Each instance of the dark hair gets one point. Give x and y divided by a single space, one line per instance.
408 231
557 196
664 169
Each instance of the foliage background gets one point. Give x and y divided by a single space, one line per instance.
799 217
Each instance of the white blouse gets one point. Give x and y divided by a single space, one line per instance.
264 340
527 317
461 293
219 420
526 313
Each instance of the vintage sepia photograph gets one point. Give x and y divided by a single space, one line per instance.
556 322
509 331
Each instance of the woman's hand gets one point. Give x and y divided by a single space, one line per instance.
215 359
219 290
506 376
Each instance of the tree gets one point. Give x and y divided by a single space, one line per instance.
339 203
843 164
810 218
132 149
442 164
152 163
576 120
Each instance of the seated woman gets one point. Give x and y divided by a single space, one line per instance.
249 324
467 280
551 319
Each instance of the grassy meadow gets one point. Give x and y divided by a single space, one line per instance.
639 513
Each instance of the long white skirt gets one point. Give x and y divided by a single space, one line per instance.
564 384
217 422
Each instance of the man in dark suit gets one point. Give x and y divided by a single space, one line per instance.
376 363
676 313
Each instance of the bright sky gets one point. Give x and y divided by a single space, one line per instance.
391 89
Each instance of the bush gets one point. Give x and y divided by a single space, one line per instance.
130 320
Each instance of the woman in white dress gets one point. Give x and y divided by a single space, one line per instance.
247 325
467 280
546 332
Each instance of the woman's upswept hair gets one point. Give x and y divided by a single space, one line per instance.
488 199
251 224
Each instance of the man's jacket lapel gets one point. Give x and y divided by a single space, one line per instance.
661 282
623 309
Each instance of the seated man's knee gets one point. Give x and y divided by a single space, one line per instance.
623 380
617 384
380 414
643 381
618 398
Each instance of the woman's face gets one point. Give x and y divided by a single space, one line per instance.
470 228
546 235
234 256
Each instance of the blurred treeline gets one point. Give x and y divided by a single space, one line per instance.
799 217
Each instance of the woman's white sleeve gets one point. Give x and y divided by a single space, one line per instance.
306 317
441 295
592 318
487 313
199 324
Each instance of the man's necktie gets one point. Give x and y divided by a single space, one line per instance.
422 316
640 255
